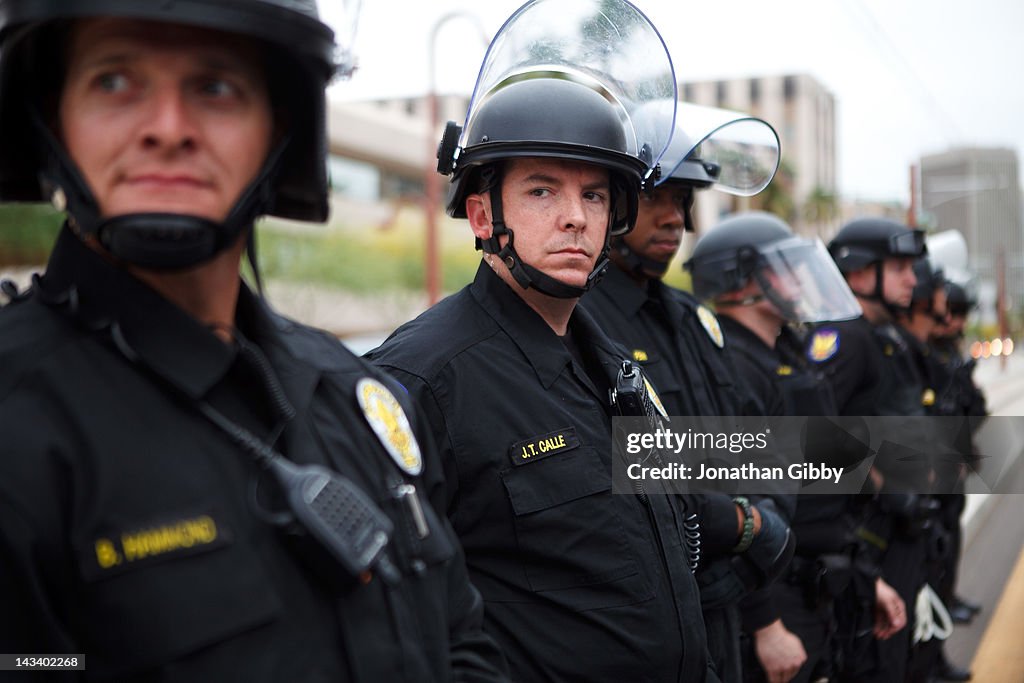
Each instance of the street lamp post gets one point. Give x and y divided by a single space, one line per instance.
432 181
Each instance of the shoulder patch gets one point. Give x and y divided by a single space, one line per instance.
390 423
711 326
823 345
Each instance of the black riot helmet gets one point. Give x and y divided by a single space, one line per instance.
864 241
302 58
795 274
960 299
547 89
710 148
869 241
930 278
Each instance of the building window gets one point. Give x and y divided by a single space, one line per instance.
720 93
789 87
687 92
755 90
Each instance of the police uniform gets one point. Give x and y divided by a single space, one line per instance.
130 527
872 372
824 525
680 345
677 340
579 584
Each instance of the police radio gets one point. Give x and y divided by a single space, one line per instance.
631 395
338 515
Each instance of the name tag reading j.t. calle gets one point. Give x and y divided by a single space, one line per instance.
543 446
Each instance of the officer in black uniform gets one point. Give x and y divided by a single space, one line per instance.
192 487
679 342
867 363
761 277
579 584
928 313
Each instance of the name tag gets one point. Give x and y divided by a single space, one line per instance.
115 551
544 446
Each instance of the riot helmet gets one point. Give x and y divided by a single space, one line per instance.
302 58
795 274
710 148
561 80
930 278
870 241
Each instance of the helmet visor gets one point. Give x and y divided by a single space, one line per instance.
909 243
802 280
740 151
609 46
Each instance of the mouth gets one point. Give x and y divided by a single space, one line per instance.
573 251
167 181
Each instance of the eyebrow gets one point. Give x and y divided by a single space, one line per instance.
212 61
551 180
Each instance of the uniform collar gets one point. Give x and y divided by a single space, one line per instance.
627 295
182 351
539 344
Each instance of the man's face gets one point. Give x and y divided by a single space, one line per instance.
659 224
164 118
558 211
898 281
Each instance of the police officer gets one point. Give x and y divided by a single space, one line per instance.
761 277
868 365
579 584
193 487
678 341
929 314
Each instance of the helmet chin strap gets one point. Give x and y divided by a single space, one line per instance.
154 240
524 274
894 310
638 264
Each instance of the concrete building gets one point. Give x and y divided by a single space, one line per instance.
977 191
803 112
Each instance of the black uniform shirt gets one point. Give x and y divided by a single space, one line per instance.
662 328
579 584
127 527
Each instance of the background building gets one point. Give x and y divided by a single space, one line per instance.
803 113
977 191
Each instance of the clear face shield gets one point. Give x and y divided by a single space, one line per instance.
800 278
608 46
740 152
343 16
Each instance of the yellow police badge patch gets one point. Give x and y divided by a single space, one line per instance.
928 397
824 344
711 326
640 356
389 422
655 399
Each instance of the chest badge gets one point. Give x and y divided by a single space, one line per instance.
928 398
389 422
711 326
655 399
640 356
824 344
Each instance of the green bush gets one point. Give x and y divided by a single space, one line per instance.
27 232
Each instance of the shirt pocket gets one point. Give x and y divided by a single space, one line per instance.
572 543
172 606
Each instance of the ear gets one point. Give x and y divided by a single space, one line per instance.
478 211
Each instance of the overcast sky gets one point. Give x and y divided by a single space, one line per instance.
910 77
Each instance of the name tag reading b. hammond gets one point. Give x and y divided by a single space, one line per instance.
543 446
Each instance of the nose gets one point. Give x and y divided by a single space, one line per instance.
574 215
169 125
